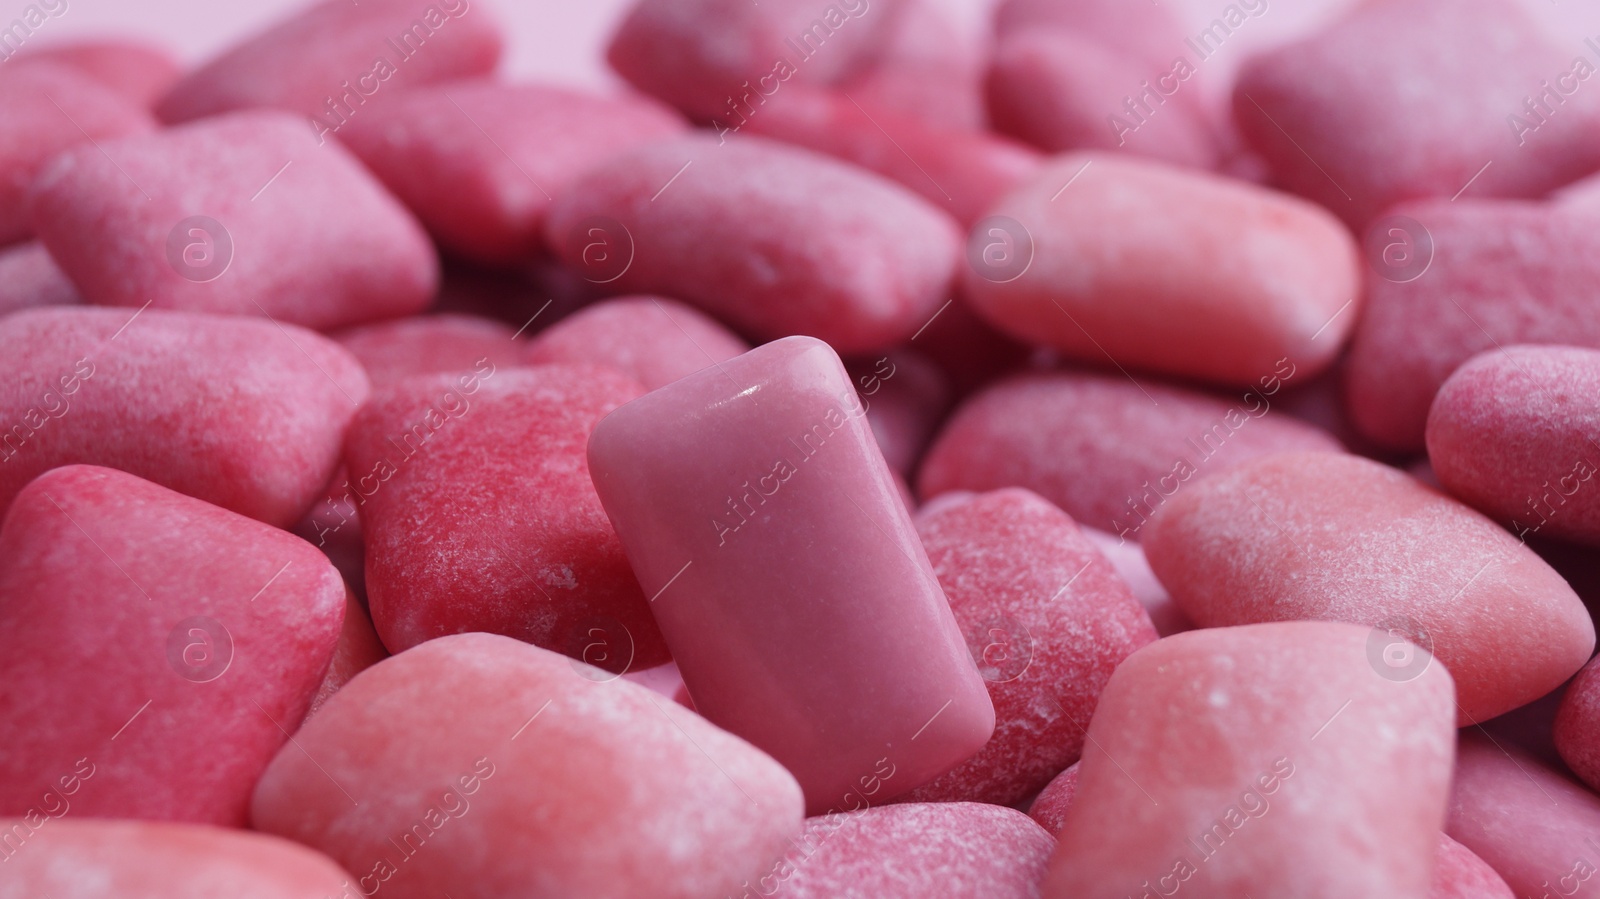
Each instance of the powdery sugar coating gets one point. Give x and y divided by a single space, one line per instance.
1049 808
1337 537
1462 875
235 411
1516 433
140 72
429 344
1046 619
158 647
108 214
479 161
1577 727
1105 450
1268 760
138 860
653 340
30 278
774 240
522 775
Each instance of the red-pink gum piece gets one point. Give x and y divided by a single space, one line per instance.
1337 537
138 71
30 278
123 646
1046 620
479 766
49 108
653 340
1106 450
1502 273
1049 808
1515 432
1461 874
953 850
210 217
478 514
905 396
1536 827
484 193
714 226
1176 271
1129 560
1217 757
239 412
429 344
330 60
149 860
787 575
1326 113
1577 725
358 649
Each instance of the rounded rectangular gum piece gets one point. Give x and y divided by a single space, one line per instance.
787 576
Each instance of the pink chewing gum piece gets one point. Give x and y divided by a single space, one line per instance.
429 344
1497 273
1327 115
484 767
210 217
29 278
1577 725
1216 756
1515 432
1106 450
1150 33
953 850
1049 808
238 412
328 60
358 649
928 65
787 576
1046 620
478 514
126 647
479 161
1186 273
905 396
714 226
138 71
145 860
1536 827
652 340
49 108
1337 537
1463 875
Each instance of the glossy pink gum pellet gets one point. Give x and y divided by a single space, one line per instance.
479 161
787 576
1515 432
1049 808
146 860
136 70
329 60
905 396
121 220
429 344
1046 619
1536 827
1461 874
1268 760
157 647
30 278
1338 537
652 340
482 767
714 226
478 514
238 412
49 108
1156 267
953 850
1577 725
1502 273
1106 450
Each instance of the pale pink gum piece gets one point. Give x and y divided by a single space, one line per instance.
715 226
1460 874
1341 538
1049 808
1412 98
358 649
1106 450
1149 34
1577 725
115 217
1502 273
479 161
906 396
1515 432
1176 271
478 514
30 278
953 850
482 767
928 65
429 344
1538 828
239 412
1129 560
329 60
159 647
1271 760
652 340
146 860
787 576
1046 620
139 71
